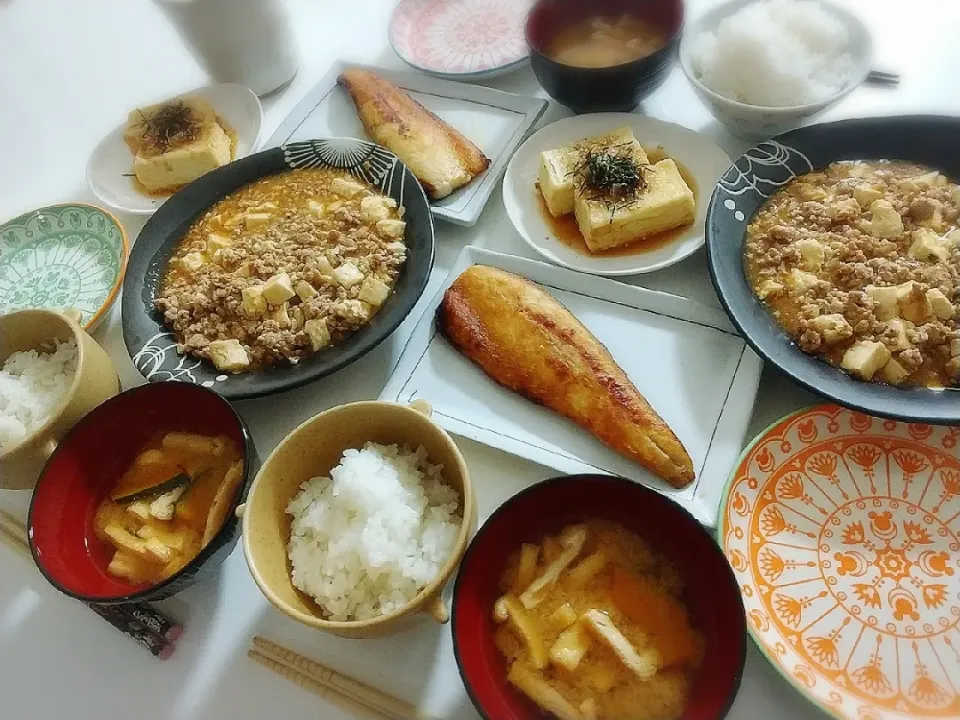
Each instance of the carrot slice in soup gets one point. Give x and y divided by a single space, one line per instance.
645 604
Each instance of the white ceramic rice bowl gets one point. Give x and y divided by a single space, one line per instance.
756 122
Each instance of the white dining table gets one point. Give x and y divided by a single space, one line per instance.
69 72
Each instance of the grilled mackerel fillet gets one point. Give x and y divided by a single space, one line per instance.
441 158
528 342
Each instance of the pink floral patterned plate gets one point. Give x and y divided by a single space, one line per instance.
460 38
843 530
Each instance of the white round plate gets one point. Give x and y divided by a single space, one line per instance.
110 167
705 161
461 39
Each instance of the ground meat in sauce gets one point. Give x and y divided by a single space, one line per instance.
819 249
305 223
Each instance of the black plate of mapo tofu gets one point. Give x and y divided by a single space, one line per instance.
835 250
278 269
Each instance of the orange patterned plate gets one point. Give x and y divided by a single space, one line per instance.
843 530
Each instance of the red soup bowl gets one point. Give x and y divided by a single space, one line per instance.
710 590
616 88
86 465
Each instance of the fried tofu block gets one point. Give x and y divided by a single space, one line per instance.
177 540
507 607
666 203
373 291
564 616
570 647
587 570
125 541
643 663
541 692
573 541
222 501
157 551
129 567
864 358
557 167
527 568
179 166
113 515
189 442
140 510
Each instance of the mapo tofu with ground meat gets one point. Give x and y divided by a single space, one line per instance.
859 264
282 268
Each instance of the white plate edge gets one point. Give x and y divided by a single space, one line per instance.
705 503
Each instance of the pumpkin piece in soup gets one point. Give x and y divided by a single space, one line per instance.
143 481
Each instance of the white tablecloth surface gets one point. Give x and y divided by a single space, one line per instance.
69 72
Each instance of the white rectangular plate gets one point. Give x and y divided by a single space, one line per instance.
496 121
684 357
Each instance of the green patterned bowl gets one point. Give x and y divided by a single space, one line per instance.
63 257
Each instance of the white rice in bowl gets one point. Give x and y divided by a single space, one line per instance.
365 540
775 53
32 384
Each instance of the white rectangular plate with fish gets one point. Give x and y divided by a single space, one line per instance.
496 121
684 357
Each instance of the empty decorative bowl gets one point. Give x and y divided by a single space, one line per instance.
843 531
65 258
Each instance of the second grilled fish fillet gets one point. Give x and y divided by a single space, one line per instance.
528 342
441 158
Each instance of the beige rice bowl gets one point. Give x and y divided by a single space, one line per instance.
366 539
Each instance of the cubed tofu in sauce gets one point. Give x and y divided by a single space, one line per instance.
228 355
878 301
283 267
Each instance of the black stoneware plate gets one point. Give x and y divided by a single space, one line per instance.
152 346
754 177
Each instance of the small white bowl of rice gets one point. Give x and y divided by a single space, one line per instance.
763 67
358 518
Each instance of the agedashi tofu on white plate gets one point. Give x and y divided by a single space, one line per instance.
176 142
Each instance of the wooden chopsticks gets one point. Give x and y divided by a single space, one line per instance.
351 694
